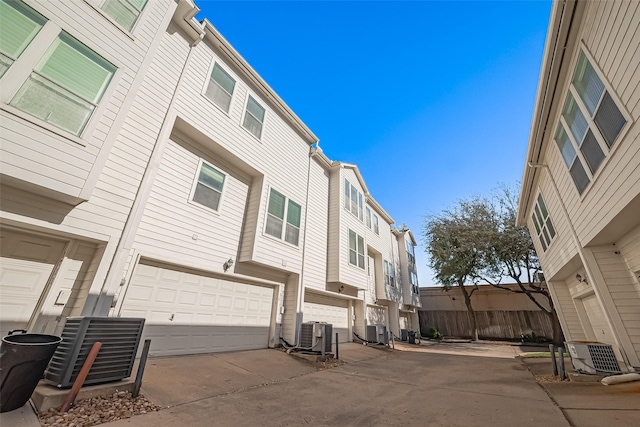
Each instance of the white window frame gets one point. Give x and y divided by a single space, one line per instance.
353 200
209 81
545 230
285 220
368 217
359 250
97 6
20 71
195 184
246 111
591 125
411 253
376 224
389 274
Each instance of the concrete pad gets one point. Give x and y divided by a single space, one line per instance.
21 417
595 396
46 396
600 418
401 388
353 352
178 380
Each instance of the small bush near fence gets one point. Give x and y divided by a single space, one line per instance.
502 325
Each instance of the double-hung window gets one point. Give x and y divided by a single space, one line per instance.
368 217
280 208
411 253
589 126
124 12
66 85
353 200
356 249
220 88
20 24
253 117
208 187
389 274
414 282
542 223
376 226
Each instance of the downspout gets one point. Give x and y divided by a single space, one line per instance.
104 301
585 264
300 302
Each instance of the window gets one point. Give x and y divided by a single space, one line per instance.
253 117
279 209
411 253
124 12
376 228
589 126
220 89
66 86
389 274
368 217
208 187
20 24
353 200
414 282
542 223
356 249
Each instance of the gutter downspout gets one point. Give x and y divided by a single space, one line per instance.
585 264
105 301
300 301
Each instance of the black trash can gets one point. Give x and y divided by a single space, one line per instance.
412 337
23 359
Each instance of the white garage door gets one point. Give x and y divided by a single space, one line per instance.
26 263
320 308
190 313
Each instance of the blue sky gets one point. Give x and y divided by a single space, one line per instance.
432 100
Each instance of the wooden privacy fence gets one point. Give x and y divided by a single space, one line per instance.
491 324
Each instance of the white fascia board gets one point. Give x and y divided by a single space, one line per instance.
560 24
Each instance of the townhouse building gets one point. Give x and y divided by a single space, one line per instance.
148 171
580 194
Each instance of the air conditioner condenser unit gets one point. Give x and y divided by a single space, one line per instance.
590 357
377 334
312 333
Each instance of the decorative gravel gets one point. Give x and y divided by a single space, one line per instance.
98 410
548 378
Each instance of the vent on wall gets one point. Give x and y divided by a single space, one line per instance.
119 336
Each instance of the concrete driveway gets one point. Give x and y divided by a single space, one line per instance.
427 385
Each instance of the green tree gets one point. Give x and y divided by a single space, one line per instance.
512 254
456 241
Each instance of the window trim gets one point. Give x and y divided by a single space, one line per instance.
367 217
561 122
542 229
283 233
246 110
376 224
97 6
358 203
194 184
208 80
20 71
389 274
357 250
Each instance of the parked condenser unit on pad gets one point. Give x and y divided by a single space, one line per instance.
377 334
311 334
592 357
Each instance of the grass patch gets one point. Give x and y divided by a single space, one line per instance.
542 355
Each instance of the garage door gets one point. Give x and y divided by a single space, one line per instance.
189 313
320 308
26 263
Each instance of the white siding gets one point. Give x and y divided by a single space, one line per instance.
315 263
350 274
564 303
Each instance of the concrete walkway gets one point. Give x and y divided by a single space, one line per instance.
432 384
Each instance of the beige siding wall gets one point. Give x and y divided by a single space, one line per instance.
177 228
629 248
316 239
334 238
609 32
280 154
350 274
623 288
564 303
